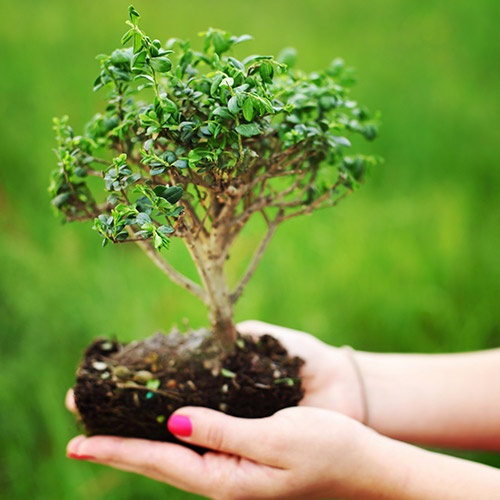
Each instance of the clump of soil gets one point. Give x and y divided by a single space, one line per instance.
131 390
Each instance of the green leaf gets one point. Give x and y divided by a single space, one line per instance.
98 83
172 194
227 373
150 80
256 58
236 63
175 212
239 39
153 384
137 42
288 381
80 172
166 229
221 45
266 72
181 163
248 129
161 64
61 199
248 109
336 67
142 219
120 56
343 141
262 103
215 84
127 36
157 170
233 105
288 56
157 241
138 60
134 15
122 235
223 112
227 82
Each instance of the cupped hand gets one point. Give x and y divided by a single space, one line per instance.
329 377
298 453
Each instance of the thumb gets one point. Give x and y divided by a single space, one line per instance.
249 438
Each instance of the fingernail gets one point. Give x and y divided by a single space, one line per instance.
180 425
80 457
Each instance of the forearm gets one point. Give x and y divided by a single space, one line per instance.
400 471
442 400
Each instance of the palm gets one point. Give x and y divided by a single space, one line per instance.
328 376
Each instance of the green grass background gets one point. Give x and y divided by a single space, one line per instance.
409 263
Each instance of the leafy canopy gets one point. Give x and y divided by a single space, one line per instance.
191 140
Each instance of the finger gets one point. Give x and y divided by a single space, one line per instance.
296 342
260 327
248 438
70 401
166 462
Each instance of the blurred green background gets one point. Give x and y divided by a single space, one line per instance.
409 263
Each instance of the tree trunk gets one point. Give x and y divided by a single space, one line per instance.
209 259
220 305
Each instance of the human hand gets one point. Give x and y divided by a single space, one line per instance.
329 378
298 453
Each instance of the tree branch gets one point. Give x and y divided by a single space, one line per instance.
235 295
172 273
194 219
316 204
299 200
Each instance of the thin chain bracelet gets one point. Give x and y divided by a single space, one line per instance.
362 386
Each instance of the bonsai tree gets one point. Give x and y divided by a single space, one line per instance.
193 144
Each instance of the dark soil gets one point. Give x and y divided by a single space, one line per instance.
131 390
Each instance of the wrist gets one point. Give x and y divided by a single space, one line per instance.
384 475
341 382
372 470
359 382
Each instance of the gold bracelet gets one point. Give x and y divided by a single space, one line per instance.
362 386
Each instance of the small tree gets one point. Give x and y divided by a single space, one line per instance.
193 144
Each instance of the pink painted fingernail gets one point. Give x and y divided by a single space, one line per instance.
80 457
180 425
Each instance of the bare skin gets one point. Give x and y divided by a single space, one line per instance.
312 451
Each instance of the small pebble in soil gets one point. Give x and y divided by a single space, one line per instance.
191 385
142 377
223 407
99 365
262 386
135 399
171 383
106 346
122 372
224 388
128 383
